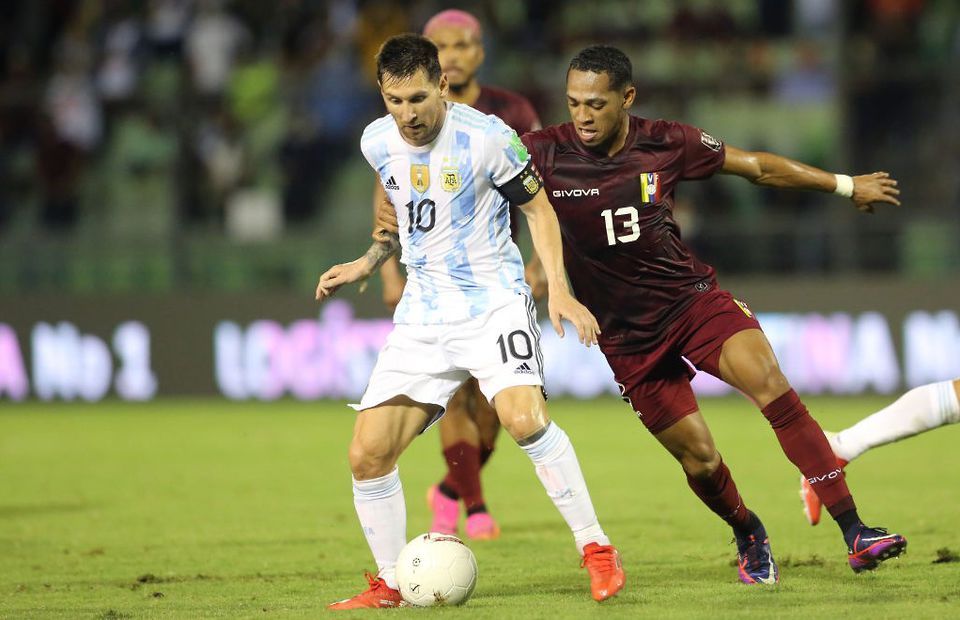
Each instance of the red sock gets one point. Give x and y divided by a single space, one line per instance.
805 445
463 473
719 493
485 454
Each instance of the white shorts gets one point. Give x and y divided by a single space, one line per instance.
428 363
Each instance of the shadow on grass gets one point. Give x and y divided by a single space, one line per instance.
28 510
150 578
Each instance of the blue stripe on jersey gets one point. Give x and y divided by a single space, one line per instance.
511 272
500 217
427 213
513 156
472 114
428 288
381 157
469 121
463 208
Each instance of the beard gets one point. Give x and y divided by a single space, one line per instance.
459 88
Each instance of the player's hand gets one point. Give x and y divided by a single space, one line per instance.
536 278
869 189
338 275
562 305
386 221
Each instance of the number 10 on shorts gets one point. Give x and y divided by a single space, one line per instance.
517 343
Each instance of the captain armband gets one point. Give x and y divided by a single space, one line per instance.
522 188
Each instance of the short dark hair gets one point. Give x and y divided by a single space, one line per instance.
404 54
605 59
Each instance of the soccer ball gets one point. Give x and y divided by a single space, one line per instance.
436 569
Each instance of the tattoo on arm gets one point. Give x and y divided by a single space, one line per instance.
380 251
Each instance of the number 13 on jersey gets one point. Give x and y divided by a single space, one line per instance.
629 228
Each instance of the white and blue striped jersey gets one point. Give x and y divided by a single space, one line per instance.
454 223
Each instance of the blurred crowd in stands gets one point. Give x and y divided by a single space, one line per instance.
146 119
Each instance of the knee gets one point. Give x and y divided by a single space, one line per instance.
522 424
700 460
522 411
371 458
770 385
522 419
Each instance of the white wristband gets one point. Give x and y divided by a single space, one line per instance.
844 186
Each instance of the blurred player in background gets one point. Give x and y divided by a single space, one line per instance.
465 311
920 410
469 429
612 178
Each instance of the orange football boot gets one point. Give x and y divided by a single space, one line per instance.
605 568
378 595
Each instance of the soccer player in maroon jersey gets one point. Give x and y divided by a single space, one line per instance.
470 426
612 178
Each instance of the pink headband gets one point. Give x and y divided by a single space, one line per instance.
453 17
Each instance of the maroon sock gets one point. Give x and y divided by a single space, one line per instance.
805 445
463 473
719 493
485 453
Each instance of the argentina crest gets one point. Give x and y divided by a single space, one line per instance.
420 177
531 183
450 178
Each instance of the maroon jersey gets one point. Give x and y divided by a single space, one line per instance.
622 247
513 109
517 112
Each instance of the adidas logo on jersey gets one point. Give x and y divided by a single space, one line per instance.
523 369
391 183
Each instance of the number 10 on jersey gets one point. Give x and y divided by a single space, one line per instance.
630 227
423 217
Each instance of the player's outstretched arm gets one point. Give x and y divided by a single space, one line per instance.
390 272
359 269
535 276
772 170
545 231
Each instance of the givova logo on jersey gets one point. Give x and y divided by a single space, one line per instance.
649 187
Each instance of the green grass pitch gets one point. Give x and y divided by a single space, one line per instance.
188 509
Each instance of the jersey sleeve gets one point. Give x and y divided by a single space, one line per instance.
367 149
373 143
530 142
509 164
504 153
703 155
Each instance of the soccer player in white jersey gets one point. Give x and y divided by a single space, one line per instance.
920 410
466 310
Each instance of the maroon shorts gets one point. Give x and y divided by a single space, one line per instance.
656 383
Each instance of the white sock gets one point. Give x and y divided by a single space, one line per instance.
383 517
921 409
559 471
